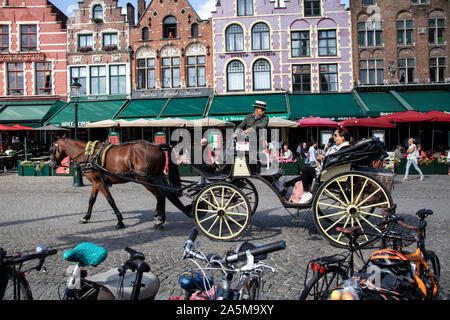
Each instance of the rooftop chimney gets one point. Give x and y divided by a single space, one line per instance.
141 8
130 14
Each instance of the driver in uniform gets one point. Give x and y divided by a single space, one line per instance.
254 121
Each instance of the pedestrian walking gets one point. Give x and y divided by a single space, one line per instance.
411 158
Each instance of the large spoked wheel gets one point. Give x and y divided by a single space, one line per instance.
350 199
222 211
249 189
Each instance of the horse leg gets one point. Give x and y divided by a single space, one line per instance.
92 199
160 212
109 198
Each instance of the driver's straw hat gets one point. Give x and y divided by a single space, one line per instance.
260 104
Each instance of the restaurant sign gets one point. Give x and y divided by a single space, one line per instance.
22 57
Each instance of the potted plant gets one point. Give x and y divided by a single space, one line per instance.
84 49
28 168
111 47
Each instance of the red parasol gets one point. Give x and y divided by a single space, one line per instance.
20 127
6 128
317 122
407 116
439 116
367 122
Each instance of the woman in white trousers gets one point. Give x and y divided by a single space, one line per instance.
411 158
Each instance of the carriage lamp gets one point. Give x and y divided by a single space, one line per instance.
75 88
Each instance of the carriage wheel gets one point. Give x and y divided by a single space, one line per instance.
350 199
222 211
249 189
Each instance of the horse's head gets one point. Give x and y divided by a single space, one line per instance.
57 154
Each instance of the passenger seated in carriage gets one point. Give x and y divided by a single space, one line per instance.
341 139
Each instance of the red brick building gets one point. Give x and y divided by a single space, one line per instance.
172 50
97 48
400 42
32 50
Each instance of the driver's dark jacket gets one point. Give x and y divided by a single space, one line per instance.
250 122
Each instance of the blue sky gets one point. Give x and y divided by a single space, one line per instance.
203 7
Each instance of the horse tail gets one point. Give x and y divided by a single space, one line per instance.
174 174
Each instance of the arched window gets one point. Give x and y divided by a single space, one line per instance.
261 75
235 76
97 12
245 7
234 38
260 37
145 35
169 27
194 30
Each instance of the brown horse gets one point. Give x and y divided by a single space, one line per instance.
137 160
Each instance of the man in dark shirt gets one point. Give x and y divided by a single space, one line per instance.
255 120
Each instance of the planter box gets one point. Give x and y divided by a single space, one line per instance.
29 171
44 171
430 169
290 168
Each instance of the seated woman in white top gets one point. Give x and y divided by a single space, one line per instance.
341 138
286 154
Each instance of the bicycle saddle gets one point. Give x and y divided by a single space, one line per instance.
423 213
87 254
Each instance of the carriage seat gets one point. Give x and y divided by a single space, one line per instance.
213 176
275 173
362 153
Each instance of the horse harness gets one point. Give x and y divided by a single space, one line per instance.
96 161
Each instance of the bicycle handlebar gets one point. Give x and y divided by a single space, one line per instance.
268 248
20 259
136 261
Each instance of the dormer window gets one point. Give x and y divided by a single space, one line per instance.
97 12
170 27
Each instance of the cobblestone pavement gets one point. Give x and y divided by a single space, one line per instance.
47 210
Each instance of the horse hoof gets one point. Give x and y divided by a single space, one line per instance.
84 221
158 225
120 225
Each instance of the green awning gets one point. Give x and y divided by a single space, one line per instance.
380 103
186 108
142 108
29 113
424 101
88 111
328 105
236 107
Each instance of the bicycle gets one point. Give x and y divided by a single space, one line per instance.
115 284
13 283
330 272
246 261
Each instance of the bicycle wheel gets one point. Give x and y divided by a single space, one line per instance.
350 199
22 290
320 286
431 276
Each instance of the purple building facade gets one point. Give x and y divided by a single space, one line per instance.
298 46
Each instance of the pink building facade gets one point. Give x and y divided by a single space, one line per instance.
32 50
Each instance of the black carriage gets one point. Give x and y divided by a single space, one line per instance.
346 192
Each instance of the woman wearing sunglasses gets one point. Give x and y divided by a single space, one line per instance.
341 139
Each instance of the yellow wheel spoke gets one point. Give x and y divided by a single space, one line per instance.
371 214
362 189
335 223
337 199
213 224
351 189
236 213
332 205
374 205
332 214
208 218
362 229
229 228
214 197
223 195
220 227
236 205
366 199
206 210
226 206
234 221
209 203
369 223
342 191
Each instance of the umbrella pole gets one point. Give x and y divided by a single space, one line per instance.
25 142
432 138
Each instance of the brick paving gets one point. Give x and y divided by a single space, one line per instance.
46 210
